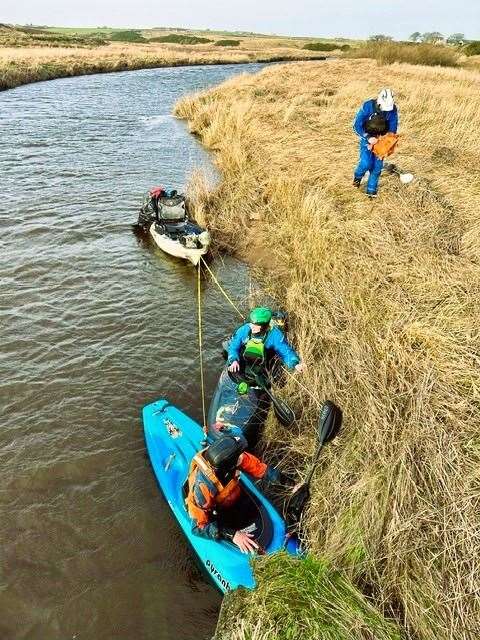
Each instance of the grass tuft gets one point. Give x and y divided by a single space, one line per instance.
298 600
177 38
472 48
127 36
424 54
321 46
227 43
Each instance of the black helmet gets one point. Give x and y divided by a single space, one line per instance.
223 454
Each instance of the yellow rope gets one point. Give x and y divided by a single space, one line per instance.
200 344
222 290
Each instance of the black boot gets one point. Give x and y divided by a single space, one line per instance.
357 182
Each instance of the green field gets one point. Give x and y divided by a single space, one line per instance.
154 32
80 30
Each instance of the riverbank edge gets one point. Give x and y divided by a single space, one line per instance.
264 116
330 585
54 70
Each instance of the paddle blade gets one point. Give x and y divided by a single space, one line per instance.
296 504
329 422
285 414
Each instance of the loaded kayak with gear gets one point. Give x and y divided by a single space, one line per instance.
173 440
164 215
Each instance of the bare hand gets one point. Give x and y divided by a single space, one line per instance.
300 367
372 140
245 542
235 366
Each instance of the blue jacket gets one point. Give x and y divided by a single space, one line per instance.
275 340
367 109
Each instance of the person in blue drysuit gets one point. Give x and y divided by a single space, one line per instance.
240 403
375 118
252 341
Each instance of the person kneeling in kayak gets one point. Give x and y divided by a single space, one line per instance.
213 486
251 343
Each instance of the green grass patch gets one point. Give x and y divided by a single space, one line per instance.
179 38
127 36
83 31
472 48
321 46
302 600
32 36
227 43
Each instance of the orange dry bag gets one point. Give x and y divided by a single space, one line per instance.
386 145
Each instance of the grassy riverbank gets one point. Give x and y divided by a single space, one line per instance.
33 55
385 306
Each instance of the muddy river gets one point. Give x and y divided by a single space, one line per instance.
95 323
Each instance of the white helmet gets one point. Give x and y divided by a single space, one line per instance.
385 100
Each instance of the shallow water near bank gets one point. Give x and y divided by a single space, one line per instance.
96 323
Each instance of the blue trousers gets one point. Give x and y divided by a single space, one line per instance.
369 162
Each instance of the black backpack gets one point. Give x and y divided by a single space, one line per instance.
376 124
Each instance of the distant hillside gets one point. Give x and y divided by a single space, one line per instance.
44 36
17 36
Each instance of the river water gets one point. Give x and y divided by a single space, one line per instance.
94 324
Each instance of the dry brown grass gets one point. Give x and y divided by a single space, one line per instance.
21 65
473 62
423 54
385 302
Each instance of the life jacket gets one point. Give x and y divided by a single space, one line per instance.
255 354
254 349
226 495
376 124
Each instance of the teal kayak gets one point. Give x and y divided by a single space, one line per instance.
172 439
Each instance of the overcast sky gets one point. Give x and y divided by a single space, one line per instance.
349 18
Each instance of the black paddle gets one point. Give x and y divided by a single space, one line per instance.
329 424
284 413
